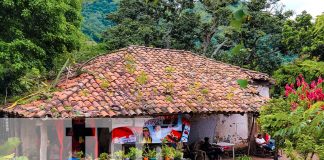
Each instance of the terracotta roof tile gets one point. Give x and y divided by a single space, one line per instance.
175 81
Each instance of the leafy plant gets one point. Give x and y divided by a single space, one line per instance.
245 157
296 119
79 154
243 83
119 155
55 32
130 63
142 78
104 84
152 153
169 98
8 147
168 151
178 155
287 73
104 156
204 91
134 153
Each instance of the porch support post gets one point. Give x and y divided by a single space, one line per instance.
43 142
250 134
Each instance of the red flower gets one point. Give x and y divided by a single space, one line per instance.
298 82
305 93
320 80
313 84
288 90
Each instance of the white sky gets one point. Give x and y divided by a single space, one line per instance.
314 7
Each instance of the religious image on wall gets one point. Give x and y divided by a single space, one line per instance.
122 135
169 129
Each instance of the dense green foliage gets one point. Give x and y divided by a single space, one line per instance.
241 33
257 42
159 23
89 49
296 120
94 17
7 149
302 36
34 36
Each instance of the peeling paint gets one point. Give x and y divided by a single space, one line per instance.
232 128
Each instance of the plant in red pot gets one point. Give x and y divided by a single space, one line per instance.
168 152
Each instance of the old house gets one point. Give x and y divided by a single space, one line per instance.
147 82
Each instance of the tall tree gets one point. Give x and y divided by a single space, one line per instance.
297 33
317 46
214 15
33 35
249 36
167 24
302 36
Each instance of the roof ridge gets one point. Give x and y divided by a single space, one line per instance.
245 70
249 72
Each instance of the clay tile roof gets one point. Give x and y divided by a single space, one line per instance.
144 81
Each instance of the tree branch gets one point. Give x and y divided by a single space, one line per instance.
219 47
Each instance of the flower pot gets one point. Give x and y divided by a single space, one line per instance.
152 158
126 159
167 158
145 158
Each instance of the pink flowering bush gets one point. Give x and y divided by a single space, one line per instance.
296 120
305 95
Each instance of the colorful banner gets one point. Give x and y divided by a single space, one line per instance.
168 129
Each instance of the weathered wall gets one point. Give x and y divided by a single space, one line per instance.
232 128
30 139
202 126
264 91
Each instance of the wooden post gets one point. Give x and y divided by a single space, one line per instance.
43 142
250 135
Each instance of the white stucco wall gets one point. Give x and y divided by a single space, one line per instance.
29 138
233 128
201 127
264 91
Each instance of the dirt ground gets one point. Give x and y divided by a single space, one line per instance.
260 158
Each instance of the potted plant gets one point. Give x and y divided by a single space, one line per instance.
134 153
178 155
145 156
126 157
119 155
145 153
104 156
168 152
151 154
79 154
